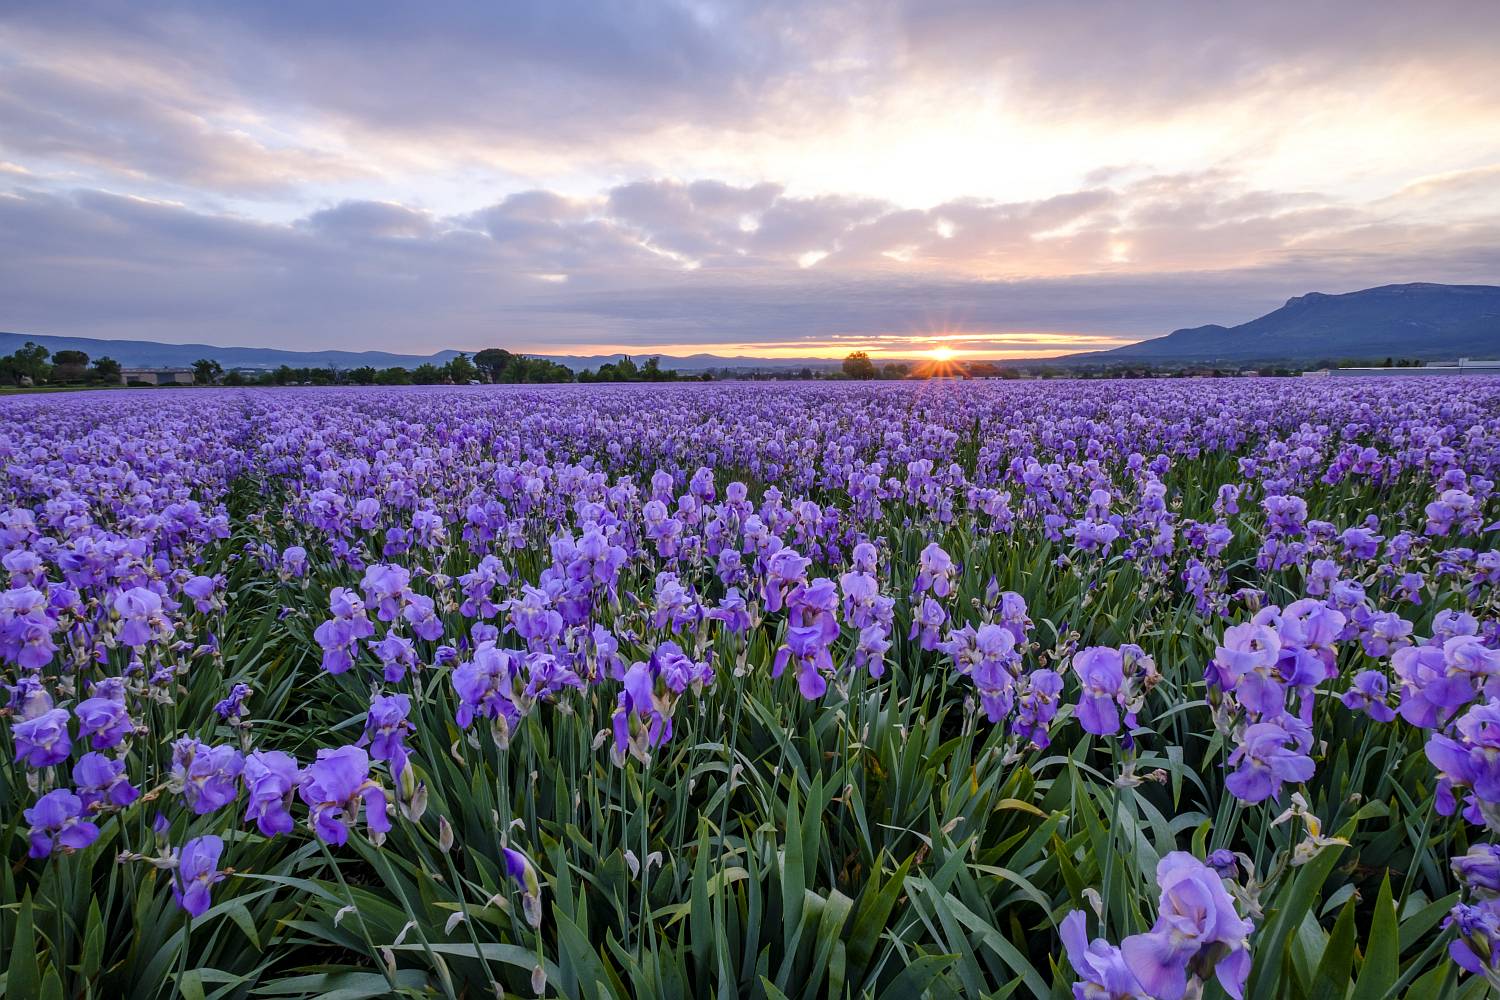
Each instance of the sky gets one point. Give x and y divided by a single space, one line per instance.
999 179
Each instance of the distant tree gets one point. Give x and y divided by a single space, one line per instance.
207 371
428 374
69 366
393 376
106 369
493 362
234 377
859 366
461 370
28 362
323 376
284 375
363 376
895 370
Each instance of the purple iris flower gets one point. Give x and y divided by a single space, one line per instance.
485 684
1197 928
142 620
208 775
1265 759
196 873
935 571
104 718
233 706
386 727
1040 694
333 787
927 622
44 740
1368 693
1101 670
1103 974
397 655
57 821
269 777
101 781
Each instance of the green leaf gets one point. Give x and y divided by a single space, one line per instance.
1382 951
24 978
915 978
1334 971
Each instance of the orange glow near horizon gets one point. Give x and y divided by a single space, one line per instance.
944 347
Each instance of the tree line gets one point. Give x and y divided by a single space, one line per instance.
33 364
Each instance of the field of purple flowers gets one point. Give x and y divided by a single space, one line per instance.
1108 690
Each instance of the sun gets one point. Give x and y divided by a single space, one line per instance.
941 354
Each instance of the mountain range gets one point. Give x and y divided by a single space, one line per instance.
1420 320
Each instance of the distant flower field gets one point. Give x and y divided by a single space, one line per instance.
1159 689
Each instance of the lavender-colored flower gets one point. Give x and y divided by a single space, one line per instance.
386 727
1368 693
935 571
485 684
104 718
101 781
57 821
1197 932
44 740
206 774
1103 974
334 786
1037 707
142 619
269 777
1101 670
197 871
233 706
927 622
1265 759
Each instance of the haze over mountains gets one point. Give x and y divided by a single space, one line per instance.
1420 320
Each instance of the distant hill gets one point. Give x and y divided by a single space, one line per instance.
1427 321
150 354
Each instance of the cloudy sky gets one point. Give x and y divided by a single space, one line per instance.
768 178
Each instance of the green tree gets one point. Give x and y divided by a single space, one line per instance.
29 362
859 366
393 376
493 362
69 366
461 370
207 371
106 369
428 374
363 376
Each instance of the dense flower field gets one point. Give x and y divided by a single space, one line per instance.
1107 690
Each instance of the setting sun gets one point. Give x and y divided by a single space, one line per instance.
941 354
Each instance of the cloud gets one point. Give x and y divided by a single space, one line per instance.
651 265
